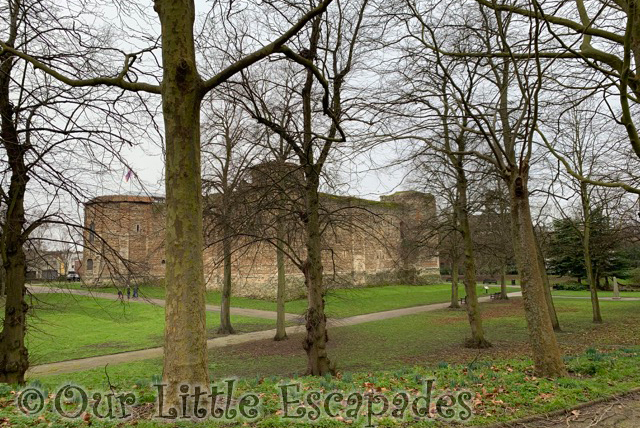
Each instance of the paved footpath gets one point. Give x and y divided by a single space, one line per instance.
219 342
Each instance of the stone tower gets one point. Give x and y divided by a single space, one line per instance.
124 238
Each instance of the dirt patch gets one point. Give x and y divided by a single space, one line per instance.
457 354
492 309
269 347
618 334
502 308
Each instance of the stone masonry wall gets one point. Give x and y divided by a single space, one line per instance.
365 243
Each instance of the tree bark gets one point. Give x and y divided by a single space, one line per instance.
503 283
477 339
546 351
454 261
315 344
225 302
185 348
14 357
586 246
454 284
547 289
281 332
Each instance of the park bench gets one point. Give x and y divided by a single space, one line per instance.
463 300
495 295
490 281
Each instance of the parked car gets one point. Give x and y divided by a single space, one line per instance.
73 276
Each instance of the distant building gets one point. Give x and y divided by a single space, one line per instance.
47 265
371 243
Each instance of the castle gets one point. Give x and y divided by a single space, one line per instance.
364 243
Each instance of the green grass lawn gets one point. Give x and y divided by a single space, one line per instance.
587 293
397 353
339 302
424 339
64 326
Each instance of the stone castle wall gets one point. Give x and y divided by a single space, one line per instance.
365 243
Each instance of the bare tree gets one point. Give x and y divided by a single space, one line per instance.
437 122
182 89
328 53
587 142
505 116
229 151
51 137
602 38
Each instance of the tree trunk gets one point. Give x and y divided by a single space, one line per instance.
477 339
315 344
281 332
185 344
546 352
547 289
14 357
3 280
503 283
454 284
454 261
225 302
586 247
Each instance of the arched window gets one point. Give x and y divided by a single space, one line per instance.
89 264
92 232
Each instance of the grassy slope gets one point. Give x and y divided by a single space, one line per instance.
66 326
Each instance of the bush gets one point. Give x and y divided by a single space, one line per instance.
571 286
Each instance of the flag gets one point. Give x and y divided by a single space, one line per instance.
128 176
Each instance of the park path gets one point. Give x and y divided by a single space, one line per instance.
81 364
256 313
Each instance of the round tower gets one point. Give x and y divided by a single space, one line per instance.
123 238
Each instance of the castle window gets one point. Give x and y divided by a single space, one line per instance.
92 232
163 262
89 264
138 228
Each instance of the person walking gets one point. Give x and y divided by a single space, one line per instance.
128 292
135 291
